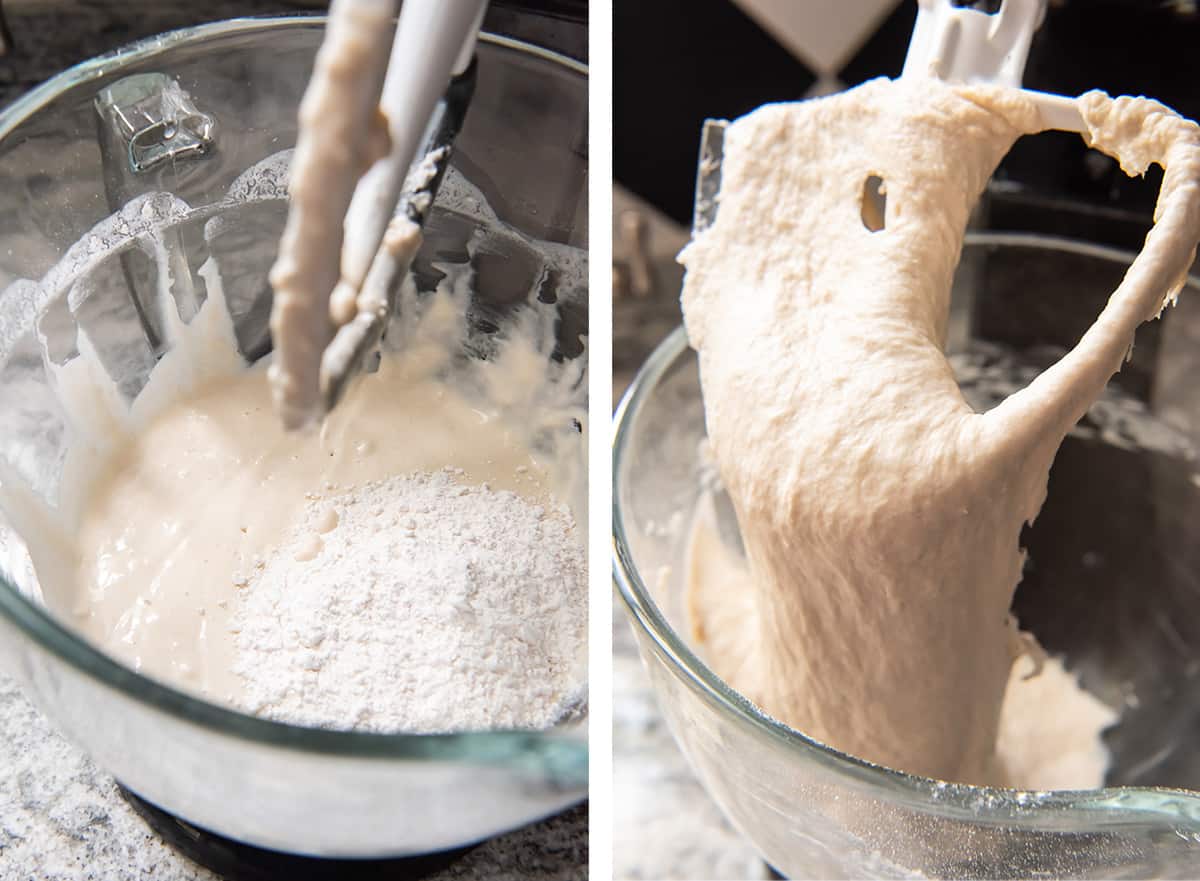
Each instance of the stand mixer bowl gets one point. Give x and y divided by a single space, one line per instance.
142 165
1111 585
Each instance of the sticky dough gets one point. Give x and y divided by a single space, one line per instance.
339 106
881 515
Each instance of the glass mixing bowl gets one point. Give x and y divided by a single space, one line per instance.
189 128
1113 584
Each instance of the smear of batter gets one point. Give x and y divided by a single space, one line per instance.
881 514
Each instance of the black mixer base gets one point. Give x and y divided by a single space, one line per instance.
235 861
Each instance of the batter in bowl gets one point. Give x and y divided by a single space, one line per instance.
282 572
415 565
881 514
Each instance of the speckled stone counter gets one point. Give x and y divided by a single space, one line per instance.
63 819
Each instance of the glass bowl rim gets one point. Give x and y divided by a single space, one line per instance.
960 801
561 750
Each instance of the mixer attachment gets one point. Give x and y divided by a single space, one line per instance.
400 107
952 43
355 347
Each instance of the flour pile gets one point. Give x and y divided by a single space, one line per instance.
417 604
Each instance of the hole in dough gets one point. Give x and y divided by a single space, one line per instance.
874 203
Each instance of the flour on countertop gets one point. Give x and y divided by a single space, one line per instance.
419 604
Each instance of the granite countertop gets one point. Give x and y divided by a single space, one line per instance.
61 817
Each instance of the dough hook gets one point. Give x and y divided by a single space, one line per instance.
951 43
336 317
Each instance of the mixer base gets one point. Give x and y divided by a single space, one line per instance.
235 861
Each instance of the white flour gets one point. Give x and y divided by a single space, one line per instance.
417 604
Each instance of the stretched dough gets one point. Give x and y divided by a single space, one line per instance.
881 514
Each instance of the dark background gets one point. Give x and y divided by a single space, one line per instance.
679 61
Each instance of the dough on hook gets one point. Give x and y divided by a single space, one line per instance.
881 514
